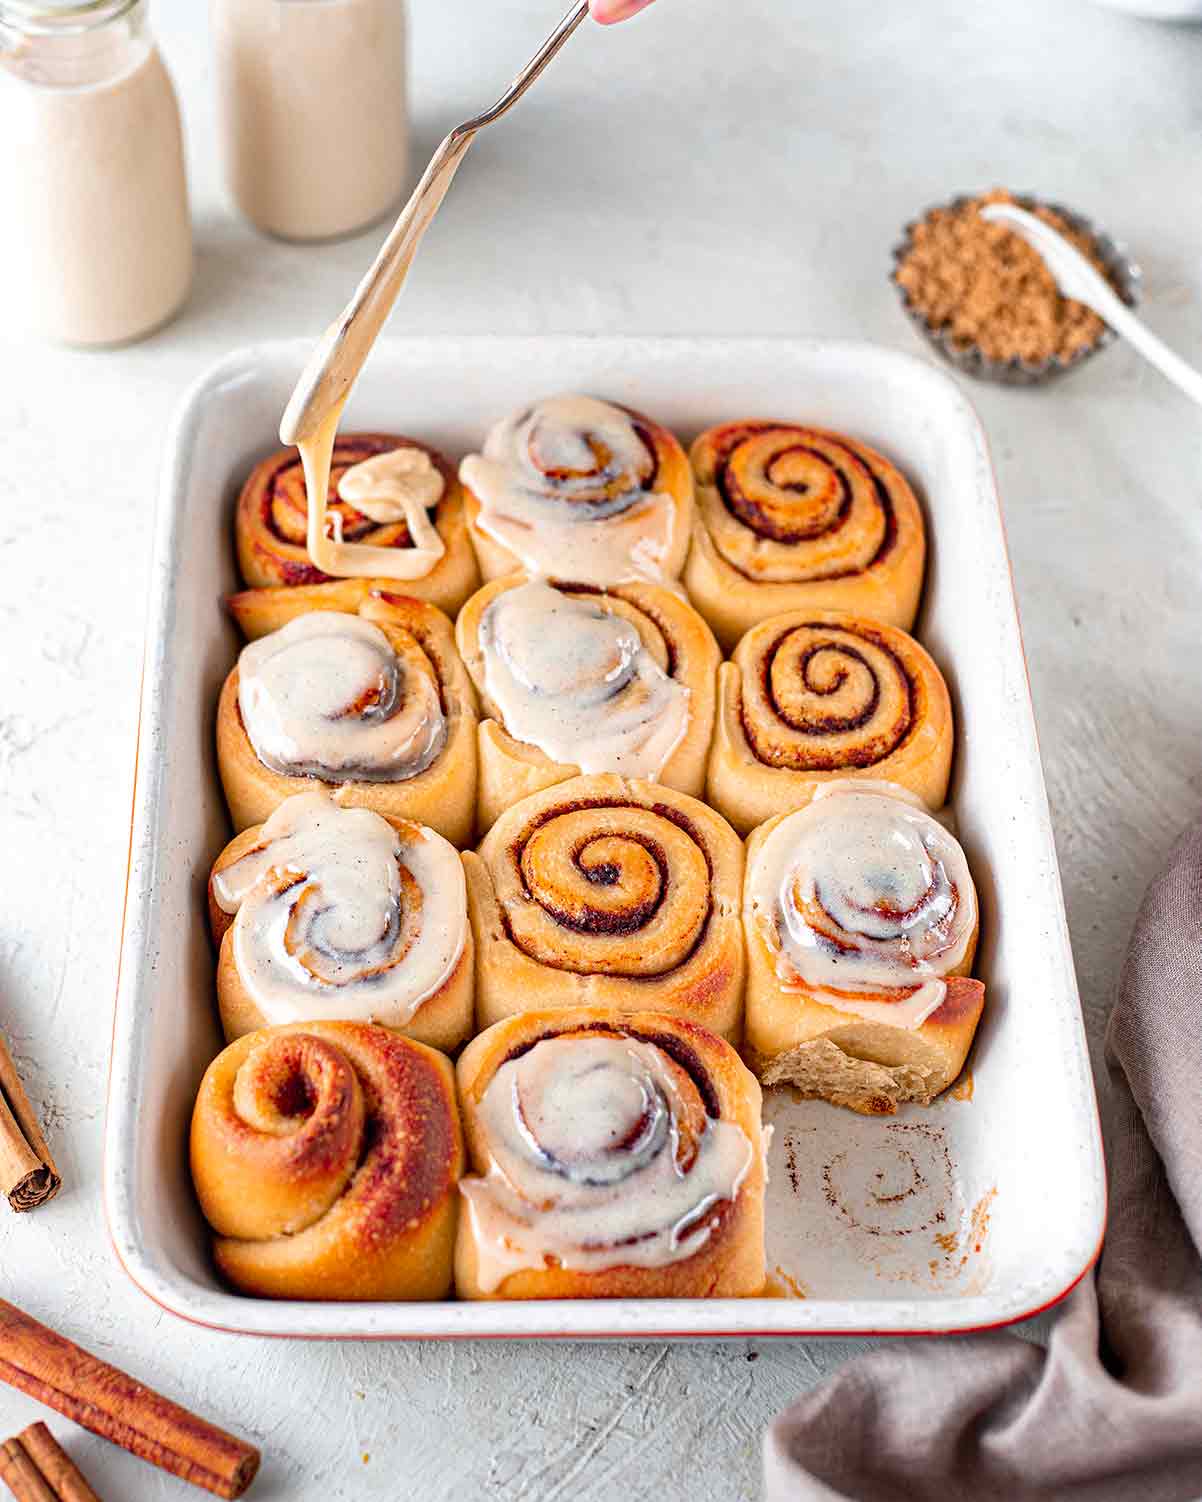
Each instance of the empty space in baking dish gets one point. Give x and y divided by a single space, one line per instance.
979 1210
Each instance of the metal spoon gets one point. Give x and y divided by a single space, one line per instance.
335 364
1079 279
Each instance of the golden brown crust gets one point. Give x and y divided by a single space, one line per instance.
611 892
671 476
731 1262
817 695
796 518
510 769
442 796
326 1156
272 514
443 1021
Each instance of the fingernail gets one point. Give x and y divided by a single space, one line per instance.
609 11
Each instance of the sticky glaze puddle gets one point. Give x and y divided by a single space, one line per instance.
863 1206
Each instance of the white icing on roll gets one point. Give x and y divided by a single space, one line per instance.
577 681
398 485
589 1165
339 916
866 901
328 696
561 486
401 485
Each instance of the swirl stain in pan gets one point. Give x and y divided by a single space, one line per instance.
855 1202
908 1187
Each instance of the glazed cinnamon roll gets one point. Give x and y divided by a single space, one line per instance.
614 1156
609 892
387 493
326 1157
342 914
861 919
376 706
580 489
816 695
576 679
795 518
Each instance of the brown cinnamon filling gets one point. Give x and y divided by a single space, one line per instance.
806 716
758 514
586 920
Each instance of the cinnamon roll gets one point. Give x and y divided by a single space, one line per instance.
326 1157
861 919
816 695
612 893
335 913
576 679
614 1156
389 494
795 518
376 706
579 489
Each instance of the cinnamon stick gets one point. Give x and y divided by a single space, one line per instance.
119 1408
36 1468
27 1172
21 1476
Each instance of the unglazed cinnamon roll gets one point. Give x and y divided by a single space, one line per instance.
326 1157
792 518
387 493
613 1156
580 489
376 705
576 679
816 695
861 918
335 913
613 893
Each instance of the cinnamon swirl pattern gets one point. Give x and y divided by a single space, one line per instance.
792 518
389 494
816 695
608 892
861 913
614 1156
575 679
376 705
579 489
326 1157
335 913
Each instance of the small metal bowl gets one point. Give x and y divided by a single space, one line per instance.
1121 270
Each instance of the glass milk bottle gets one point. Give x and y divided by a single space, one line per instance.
97 236
312 111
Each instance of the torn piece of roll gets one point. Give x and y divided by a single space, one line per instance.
375 706
609 892
861 919
326 1157
335 913
573 679
577 488
816 695
797 518
613 1156
386 492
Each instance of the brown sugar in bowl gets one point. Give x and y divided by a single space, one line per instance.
987 302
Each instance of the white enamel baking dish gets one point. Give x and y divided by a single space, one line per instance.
981 1210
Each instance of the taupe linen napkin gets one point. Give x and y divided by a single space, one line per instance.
1112 1410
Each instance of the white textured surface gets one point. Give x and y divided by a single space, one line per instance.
687 173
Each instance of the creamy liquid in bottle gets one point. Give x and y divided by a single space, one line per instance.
98 239
312 111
